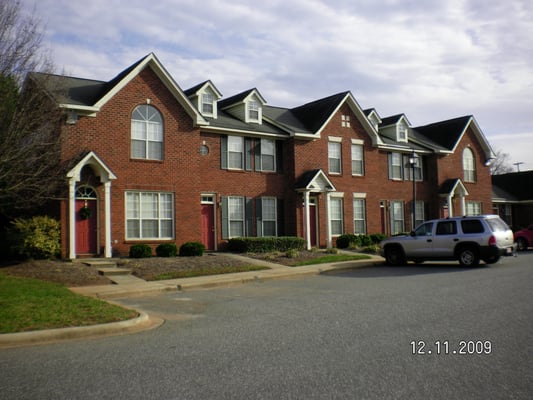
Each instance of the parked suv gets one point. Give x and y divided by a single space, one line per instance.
524 238
466 239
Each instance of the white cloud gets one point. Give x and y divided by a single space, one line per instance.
432 60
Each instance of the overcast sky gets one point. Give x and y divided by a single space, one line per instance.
430 59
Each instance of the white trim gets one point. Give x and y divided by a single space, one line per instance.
335 139
359 195
358 141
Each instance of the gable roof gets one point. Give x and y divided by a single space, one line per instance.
447 134
393 120
197 88
308 120
239 98
514 186
314 180
88 96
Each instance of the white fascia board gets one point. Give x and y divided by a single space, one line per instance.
88 111
168 81
240 132
485 145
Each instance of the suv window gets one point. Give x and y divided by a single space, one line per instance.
425 229
446 228
497 224
472 226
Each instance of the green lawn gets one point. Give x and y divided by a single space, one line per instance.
31 304
208 271
331 258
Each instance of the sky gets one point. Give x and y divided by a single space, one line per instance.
429 59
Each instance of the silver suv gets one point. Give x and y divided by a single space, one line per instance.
466 239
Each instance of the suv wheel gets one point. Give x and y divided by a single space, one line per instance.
521 244
468 256
394 255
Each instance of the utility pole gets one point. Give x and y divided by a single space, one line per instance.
518 164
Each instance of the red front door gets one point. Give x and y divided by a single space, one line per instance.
208 226
86 227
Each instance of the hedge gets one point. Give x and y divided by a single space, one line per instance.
166 250
265 244
351 240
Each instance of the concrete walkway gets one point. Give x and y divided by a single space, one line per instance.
128 286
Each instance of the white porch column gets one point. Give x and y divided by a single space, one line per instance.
107 210
450 205
72 219
307 221
329 241
463 204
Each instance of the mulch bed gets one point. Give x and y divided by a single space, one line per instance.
78 274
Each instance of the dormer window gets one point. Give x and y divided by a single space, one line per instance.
402 133
253 110
207 103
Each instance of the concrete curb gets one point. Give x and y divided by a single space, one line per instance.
144 321
141 323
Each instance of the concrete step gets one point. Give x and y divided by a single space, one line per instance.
101 263
113 271
125 279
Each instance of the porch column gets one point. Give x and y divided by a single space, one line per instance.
107 210
329 241
307 221
450 205
463 204
72 218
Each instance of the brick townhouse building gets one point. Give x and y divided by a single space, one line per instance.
148 162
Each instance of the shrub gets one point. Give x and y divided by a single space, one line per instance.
37 237
355 241
265 244
166 250
140 251
292 253
192 249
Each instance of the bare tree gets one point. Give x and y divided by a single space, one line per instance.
29 138
502 164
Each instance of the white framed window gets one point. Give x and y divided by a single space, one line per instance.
359 216
469 165
146 133
473 208
236 216
395 166
149 215
268 155
253 110
402 133
345 121
397 219
358 163
408 170
420 212
269 216
336 215
334 157
207 103
235 152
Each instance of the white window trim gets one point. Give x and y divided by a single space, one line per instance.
362 160
336 142
332 197
140 219
228 159
275 220
274 155
243 220
363 199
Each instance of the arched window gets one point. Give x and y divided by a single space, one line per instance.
146 133
469 165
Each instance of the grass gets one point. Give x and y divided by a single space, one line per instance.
208 271
331 259
31 304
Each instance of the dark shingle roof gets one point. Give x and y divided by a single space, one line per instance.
445 133
518 184
393 119
234 99
313 115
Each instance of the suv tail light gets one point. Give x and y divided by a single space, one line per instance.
492 240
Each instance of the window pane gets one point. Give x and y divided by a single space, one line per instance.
269 228
267 163
357 159
132 227
138 149
149 228
166 229
155 150
236 228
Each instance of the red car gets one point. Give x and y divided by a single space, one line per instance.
524 238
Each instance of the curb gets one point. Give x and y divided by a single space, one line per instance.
141 323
